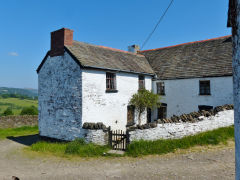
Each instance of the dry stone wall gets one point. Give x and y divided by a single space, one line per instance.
180 129
18 121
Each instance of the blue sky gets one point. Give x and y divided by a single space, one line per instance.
26 26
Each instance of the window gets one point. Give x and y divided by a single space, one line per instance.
204 87
141 82
111 82
162 111
160 88
205 107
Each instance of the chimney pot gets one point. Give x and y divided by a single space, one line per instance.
59 39
133 48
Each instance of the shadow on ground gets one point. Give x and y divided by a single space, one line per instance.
25 140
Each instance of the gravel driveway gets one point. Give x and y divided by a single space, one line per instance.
216 163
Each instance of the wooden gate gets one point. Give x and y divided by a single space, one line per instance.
119 139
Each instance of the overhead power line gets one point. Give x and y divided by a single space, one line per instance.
161 18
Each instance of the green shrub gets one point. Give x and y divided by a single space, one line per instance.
32 110
8 112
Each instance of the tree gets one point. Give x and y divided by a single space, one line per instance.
32 110
234 22
144 99
8 112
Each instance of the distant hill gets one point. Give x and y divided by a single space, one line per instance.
25 91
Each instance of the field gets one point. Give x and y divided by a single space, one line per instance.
16 104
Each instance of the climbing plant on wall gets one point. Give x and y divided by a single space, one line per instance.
144 99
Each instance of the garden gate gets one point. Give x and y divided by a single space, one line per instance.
118 139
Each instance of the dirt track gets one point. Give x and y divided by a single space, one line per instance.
216 163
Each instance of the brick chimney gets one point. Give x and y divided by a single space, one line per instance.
133 48
59 39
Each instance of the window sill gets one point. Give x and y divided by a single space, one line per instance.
162 94
204 94
111 91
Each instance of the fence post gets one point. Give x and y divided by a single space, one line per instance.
109 136
127 138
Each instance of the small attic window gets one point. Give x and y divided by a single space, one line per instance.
141 82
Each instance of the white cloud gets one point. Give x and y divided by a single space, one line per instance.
13 54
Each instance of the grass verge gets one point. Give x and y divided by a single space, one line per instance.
77 147
139 148
21 131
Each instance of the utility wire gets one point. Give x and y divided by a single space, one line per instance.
161 18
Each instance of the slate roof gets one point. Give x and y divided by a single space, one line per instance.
208 58
100 57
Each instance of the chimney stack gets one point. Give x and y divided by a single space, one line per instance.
133 48
59 39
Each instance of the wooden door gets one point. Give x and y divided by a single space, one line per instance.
130 115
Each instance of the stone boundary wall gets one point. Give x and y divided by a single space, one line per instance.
99 137
96 133
191 117
18 121
181 129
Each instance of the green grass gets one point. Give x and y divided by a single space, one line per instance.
77 147
21 131
137 148
221 135
16 104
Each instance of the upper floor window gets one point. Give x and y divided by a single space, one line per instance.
204 87
160 88
141 82
110 81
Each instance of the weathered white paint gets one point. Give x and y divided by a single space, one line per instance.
179 130
182 95
109 108
60 98
70 96
99 136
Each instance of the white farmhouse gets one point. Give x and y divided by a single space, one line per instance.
80 82
192 76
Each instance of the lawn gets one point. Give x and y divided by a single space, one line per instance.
16 104
21 131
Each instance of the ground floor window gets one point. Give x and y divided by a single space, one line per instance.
205 107
162 111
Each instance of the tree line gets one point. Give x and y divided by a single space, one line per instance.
31 110
19 96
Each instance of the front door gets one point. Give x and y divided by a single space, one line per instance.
149 114
162 111
130 115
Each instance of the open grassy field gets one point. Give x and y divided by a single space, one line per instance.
21 131
16 104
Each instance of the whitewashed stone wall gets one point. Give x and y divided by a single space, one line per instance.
70 96
182 95
60 98
179 130
109 108
99 136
